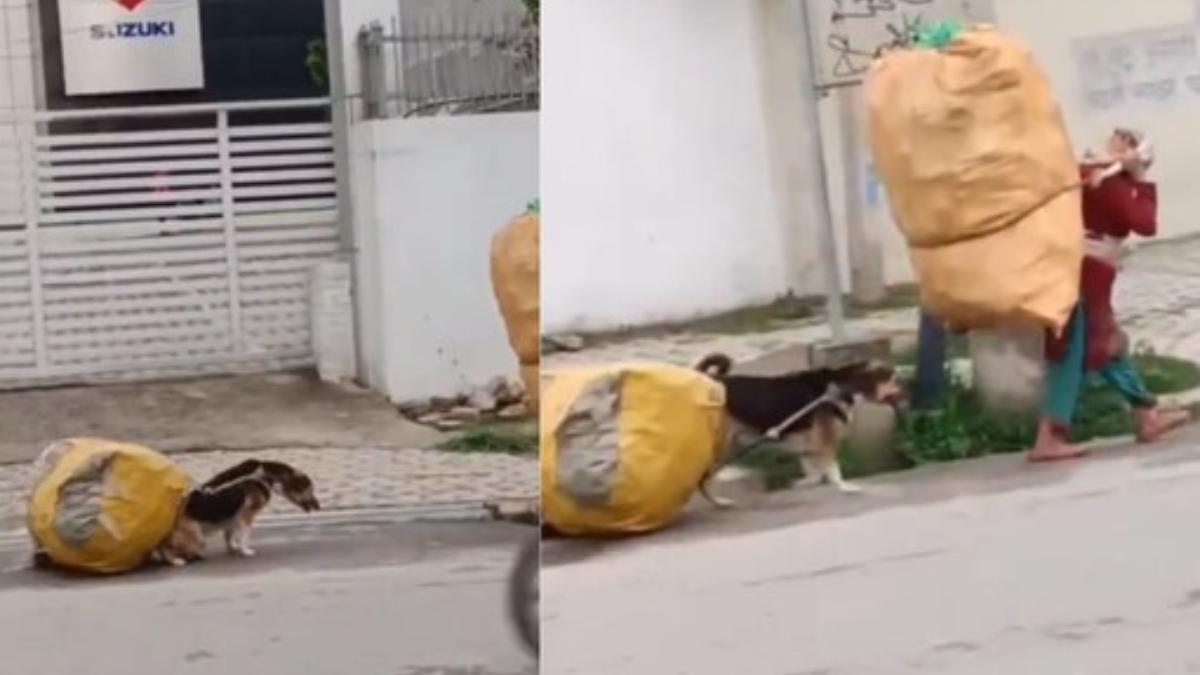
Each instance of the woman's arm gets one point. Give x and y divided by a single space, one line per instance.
1137 204
1120 206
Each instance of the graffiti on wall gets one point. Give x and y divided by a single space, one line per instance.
1145 68
849 34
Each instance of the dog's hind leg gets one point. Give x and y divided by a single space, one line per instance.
719 502
814 471
238 537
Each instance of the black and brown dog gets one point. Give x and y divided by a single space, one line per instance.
807 412
230 501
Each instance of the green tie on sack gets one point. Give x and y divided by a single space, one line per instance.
936 35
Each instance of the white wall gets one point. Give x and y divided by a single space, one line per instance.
345 18
19 56
429 194
677 175
1172 124
667 189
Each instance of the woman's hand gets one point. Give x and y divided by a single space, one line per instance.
1131 161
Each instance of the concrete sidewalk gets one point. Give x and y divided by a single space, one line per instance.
360 451
349 478
245 412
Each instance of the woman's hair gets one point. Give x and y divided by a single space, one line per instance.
1141 144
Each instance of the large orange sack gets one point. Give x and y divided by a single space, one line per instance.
970 145
515 273
1022 276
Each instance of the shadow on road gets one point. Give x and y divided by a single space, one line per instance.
313 549
926 485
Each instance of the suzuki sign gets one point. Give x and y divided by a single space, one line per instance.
123 46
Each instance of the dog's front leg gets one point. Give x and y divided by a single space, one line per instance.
833 474
813 475
169 557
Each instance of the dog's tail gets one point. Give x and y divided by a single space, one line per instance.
715 365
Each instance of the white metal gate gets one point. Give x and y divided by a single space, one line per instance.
158 241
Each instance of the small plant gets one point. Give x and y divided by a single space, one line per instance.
493 440
533 8
317 63
964 428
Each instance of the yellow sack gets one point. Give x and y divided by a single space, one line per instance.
624 446
102 506
969 142
515 270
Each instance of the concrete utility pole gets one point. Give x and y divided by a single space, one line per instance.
835 310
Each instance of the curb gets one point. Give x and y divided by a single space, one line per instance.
451 512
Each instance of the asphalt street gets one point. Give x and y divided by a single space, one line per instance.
346 599
996 568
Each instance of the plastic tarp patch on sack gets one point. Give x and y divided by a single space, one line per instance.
102 506
624 447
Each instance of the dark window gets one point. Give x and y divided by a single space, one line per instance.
253 49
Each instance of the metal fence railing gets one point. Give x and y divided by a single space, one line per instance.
162 241
449 65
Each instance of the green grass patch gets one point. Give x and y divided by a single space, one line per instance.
902 296
964 428
780 313
502 438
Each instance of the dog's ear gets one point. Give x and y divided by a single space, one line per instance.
851 370
865 377
715 365
299 489
880 384
881 371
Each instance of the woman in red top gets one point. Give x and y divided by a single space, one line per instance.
1118 201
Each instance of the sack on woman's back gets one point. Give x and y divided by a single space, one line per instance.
969 141
1026 275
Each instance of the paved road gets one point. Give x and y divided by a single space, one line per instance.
365 600
997 569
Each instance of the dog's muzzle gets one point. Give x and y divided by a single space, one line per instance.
897 400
